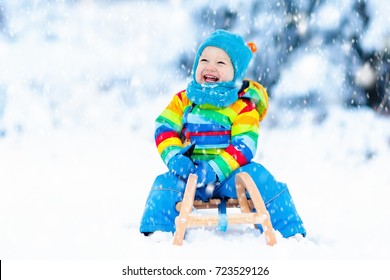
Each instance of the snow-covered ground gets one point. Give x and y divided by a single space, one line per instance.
77 155
78 195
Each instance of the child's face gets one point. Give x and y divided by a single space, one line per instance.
214 66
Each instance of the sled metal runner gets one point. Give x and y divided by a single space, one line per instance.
253 211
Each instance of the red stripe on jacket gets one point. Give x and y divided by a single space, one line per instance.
165 135
206 133
237 155
250 105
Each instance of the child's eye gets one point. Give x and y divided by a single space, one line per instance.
203 60
221 62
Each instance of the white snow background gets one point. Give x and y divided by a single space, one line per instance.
75 172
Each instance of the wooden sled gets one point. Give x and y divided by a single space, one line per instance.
187 218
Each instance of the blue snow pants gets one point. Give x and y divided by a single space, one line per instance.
167 190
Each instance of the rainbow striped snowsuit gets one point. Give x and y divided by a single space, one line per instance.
226 138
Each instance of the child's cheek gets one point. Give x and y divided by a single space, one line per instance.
198 76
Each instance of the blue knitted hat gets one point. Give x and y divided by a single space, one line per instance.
234 45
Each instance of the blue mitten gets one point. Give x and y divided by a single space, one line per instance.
181 164
205 173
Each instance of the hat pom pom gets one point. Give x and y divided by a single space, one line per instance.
252 47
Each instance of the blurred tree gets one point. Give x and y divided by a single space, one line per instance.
283 28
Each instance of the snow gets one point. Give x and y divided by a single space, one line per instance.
77 158
378 33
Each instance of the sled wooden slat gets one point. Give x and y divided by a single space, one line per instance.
244 182
213 203
235 218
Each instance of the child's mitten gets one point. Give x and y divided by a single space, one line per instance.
205 173
181 164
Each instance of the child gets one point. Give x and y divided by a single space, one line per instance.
211 129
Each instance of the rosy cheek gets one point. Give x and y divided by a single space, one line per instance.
225 77
198 75
229 76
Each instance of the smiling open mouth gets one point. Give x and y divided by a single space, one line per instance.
210 78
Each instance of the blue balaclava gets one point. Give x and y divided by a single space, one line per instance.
221 94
